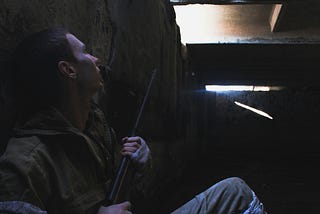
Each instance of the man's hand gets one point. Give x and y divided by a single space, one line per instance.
122 208
136 148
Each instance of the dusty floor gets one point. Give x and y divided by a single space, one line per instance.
286 182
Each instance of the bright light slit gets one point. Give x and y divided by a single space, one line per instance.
226 88
254 110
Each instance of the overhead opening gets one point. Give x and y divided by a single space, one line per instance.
212 23
184 2
226 88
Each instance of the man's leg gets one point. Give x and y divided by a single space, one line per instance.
229 196
19 207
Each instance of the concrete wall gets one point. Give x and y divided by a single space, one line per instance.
146 38
88 20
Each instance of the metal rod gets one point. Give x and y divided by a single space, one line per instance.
125 161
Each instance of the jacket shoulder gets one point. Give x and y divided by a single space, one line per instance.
23 151
23 174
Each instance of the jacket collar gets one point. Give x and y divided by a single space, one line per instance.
51 122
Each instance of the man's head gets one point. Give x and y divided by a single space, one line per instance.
83 70
45 61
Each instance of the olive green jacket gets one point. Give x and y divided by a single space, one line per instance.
56 167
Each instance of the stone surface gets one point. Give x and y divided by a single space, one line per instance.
88 20
146 38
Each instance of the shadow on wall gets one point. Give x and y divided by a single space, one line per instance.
6 110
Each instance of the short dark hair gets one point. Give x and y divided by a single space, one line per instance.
35 69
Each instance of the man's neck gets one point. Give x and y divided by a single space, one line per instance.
75 109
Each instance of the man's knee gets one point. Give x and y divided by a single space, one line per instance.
236 185
233 188
229 195
235 181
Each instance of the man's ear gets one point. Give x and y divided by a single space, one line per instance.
67 70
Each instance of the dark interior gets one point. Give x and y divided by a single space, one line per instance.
197 137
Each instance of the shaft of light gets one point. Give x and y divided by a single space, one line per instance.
254 110
218 88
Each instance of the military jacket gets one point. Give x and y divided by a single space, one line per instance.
56 167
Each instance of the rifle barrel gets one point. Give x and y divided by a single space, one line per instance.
125 161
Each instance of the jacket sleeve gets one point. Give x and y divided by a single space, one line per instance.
142 177
23 176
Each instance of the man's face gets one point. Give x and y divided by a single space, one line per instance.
88 74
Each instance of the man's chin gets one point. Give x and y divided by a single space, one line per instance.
101 81
100 86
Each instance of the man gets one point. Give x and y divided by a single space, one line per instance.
61 157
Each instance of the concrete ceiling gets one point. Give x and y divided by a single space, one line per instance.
279 44
295 21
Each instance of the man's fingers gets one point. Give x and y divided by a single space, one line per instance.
125 205
131 145
136 139
129 149
123 208
124 153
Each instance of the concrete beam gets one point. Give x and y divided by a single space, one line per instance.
226 2
275 17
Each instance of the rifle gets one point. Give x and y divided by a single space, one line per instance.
117 184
